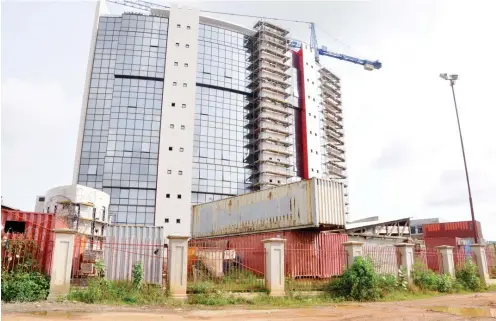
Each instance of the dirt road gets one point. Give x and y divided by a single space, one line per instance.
446 308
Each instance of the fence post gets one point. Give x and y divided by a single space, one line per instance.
353 249
406 253
481 260
447 260
274 266
62 255
178 266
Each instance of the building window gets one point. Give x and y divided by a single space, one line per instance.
181 149
179 196
170 148
183 127
176 63
186 65
188 27
185 84
178 220
420 230
187 45
177 44
174 83
173 104
169 171
180 172
166 220
178 25
167 195
171 125
183 105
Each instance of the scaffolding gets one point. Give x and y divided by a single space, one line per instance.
269 111
333 125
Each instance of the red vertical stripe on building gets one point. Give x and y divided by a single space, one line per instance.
304 139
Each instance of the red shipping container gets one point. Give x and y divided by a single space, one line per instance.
451 229
307 254
31 226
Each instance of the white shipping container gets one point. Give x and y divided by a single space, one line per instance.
127 244
305 204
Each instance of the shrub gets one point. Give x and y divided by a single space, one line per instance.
468 276
359 282
444 283
23 286
387 283
424 278
137 273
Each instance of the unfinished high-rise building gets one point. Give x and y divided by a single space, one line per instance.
182 109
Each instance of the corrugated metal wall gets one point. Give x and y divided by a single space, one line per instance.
308 253
303 204
125 245
329 201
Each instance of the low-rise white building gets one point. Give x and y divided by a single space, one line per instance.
85 208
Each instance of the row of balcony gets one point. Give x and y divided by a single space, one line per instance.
266 104
325 73
264 25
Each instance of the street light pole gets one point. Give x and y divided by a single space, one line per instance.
452 79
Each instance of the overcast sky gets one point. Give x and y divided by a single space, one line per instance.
402 143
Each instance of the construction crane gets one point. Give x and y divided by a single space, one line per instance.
322 51
367 64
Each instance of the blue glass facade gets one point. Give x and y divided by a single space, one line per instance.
122 126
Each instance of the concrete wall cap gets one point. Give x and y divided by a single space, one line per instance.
177 237
442 247
404 245
274 240
353 243
64 231
477 245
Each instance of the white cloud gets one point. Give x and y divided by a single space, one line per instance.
39 130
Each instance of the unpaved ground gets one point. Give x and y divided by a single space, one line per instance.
421 310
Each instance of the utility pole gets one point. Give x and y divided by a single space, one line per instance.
452 79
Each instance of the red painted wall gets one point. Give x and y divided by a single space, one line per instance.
303 133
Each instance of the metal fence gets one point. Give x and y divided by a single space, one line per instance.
462 255
385 258
312 269
218 266
491 259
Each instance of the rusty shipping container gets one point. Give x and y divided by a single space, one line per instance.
313 203
313 254
462 229
30 226
125 245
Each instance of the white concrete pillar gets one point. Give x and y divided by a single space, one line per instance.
481 261
178 266
353 249
63 249
274 266
447 260
406 253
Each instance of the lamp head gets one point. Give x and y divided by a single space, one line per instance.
444 76
454 77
